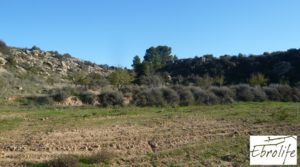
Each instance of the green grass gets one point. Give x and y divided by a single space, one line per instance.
56 117
102 159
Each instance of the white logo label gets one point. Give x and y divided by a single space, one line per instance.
273 150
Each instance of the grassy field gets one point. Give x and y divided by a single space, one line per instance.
215 135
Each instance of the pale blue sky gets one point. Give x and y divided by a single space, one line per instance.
113 31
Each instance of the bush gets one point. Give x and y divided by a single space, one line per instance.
272 93
111 99
88 98
243 92
224 93
64 161
12 61
170 96
259 94
151 80
61 96
185 95
296 96
258 79
285 91
204 97
44 100
130 90
149 97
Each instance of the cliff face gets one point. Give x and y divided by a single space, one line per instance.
30 71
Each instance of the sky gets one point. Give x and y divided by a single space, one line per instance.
114 31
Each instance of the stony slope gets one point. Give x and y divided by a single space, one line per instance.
30 71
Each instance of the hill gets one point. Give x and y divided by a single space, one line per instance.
31 71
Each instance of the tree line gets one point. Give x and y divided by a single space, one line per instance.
159 64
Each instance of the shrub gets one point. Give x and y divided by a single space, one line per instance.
258 79
285 91
151 80
204 81
185 95
111 99
88 98
259 94
170 96
44 100
149 97
64 161
156 97
61 94
224 93
296 96
12 61
141 98
130 90
243 92
120 77
204 97
272 93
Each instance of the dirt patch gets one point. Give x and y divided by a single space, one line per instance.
72 101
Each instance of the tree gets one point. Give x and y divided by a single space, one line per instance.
258 79
120 77
137 65
158 57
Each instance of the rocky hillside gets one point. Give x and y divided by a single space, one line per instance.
31 71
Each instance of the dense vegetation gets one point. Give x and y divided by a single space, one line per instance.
160 79
275 67
168 95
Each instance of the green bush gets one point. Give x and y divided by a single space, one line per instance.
258 79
